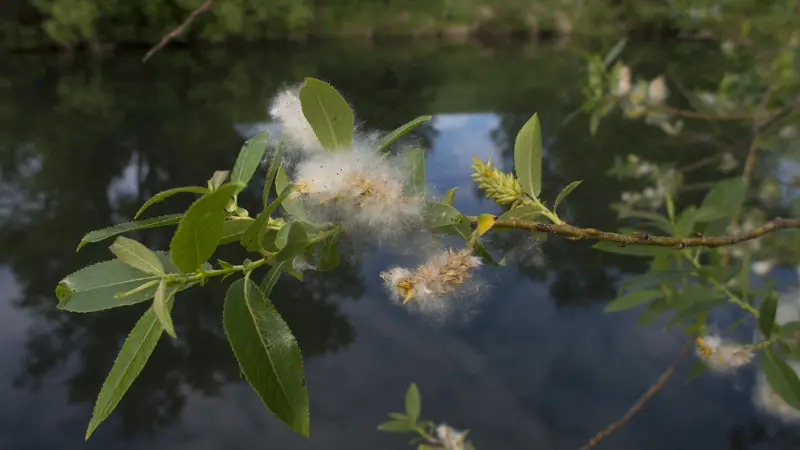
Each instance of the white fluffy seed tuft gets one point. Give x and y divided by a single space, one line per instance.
287 109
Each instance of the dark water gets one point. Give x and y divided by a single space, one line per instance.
84 143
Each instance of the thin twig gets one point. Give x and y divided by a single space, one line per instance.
177 31
578 233
750 161
662 380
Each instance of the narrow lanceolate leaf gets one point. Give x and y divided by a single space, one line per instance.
414 160
724 199
267 352
251 238
632 300
766 314
200 230
272 277
328 114
528 156
137 256
249 158
413 403
399 132
565 192
450 197
129 364
781 377
162 303
163 195
115 230
396 426
94 288
272 171
614 52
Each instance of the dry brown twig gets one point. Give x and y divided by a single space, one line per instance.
662 380
578 233
177 31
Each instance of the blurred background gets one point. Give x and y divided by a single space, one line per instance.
88 132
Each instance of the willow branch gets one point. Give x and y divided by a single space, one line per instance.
662 380
177 31
578 233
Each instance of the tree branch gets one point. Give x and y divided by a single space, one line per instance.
578 233
662 380
177 31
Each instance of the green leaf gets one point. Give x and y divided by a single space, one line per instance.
686 222
766 314
163 195
414 160
632 300
105 233
328 114
660 220
655 278
652 311
328 253
565 192
137 256
413 403
267 352
781 377
439 215
200 230
249 159
525 212
93 288
292 240
528 156
252 237
632 250
399 132
450 197
724 197
218 179
130 361
162 304
614 52
446 218
398 416
396 426
293 206
272 277
272 171
232 230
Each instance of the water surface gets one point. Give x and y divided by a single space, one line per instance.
84 143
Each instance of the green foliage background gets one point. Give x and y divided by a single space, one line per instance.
26 24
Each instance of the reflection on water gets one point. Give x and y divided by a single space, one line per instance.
84 145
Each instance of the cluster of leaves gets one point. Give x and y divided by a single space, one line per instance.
687 284
687 281
264 346
429 435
